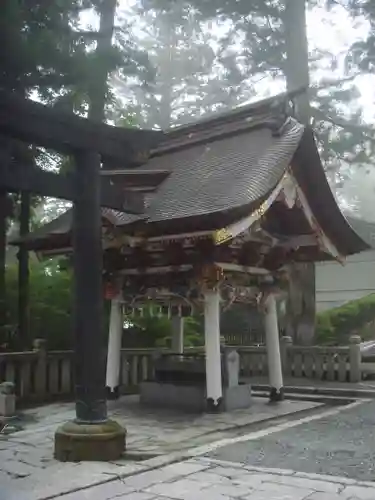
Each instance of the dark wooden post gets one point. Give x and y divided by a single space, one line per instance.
92 436
88 296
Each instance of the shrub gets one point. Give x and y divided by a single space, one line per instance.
336 325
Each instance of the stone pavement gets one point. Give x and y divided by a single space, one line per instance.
342 445
303 382
27 466
208 479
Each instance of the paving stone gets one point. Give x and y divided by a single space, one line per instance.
340 445
203 495
146 479
311 484
360 492
230 490
210 478
264 495
105 491
228 471
185 468
281 491
326 496
158 431
17 469
138 495
177 489
325 477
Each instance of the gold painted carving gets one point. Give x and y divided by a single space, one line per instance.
221 235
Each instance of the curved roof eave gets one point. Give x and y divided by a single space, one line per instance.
308 171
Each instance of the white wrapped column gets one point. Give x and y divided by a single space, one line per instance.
178 334
114 349
212 347
273 349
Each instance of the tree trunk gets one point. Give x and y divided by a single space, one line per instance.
23 275
99 88
300 307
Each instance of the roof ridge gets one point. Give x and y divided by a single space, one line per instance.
276 124
263 106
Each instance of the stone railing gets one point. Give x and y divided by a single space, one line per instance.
39 375
342 363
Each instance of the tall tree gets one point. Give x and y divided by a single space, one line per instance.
301 308
193 73
271 37
34 63
52 56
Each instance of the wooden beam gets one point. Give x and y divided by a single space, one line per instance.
15 178
41 125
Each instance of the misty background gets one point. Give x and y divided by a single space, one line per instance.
184 65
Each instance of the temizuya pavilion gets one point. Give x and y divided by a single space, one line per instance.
230 201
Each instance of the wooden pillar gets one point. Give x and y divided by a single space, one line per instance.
212 347
87 261
273 349
116 324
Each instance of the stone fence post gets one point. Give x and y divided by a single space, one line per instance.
39 346
285 343
355 358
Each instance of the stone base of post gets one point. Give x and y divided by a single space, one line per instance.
276 395
213 406
76 442
112 393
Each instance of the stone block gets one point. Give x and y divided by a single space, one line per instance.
7 405
185 397
76 442
232 366
192 398
237 397
360 492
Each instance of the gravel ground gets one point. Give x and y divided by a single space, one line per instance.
343 445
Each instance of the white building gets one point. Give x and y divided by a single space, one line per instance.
337 284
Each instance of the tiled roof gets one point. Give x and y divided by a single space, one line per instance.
223 174
232 162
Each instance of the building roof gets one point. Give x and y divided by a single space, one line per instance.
231 163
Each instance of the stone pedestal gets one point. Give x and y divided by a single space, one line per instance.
7 400
7 405
76 442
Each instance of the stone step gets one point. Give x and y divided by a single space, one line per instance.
333 400
344 392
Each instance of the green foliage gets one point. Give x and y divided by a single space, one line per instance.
151 331
336 325
50 309
50 312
